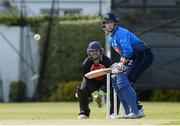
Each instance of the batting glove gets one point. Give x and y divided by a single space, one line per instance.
118 67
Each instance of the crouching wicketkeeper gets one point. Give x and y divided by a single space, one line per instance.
95 60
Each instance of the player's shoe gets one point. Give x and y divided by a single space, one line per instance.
129 116
83 116
112 116
141 113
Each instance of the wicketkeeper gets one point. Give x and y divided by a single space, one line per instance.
95 60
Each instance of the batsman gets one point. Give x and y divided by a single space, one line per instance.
135 58
95 60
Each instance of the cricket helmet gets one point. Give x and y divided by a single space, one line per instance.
95 45
110 17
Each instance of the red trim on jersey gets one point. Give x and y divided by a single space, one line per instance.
117 50
96 67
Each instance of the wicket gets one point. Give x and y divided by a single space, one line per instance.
108 100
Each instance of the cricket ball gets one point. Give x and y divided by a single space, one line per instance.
37 37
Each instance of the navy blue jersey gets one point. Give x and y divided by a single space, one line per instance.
125 43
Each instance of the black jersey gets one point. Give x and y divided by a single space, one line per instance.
88 65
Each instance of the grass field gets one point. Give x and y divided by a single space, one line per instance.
164 113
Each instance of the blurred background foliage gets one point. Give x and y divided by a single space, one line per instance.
70 37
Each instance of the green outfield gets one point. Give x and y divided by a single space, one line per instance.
167 113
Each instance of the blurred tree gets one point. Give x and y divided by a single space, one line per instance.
9 7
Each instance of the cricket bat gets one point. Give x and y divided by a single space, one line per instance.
97 73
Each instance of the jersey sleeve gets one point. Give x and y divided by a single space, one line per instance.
85 68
